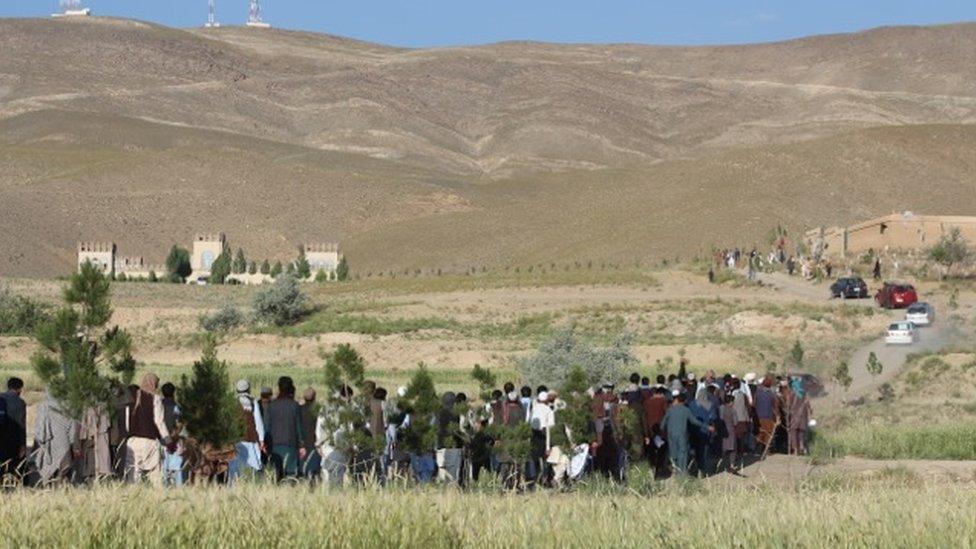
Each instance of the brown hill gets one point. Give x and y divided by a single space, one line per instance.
455 157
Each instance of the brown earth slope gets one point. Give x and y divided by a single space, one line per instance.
494 155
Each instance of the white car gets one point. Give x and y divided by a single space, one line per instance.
901 333
920 314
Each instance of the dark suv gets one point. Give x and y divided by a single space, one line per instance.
849 287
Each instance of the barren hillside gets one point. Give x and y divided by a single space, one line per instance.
494 155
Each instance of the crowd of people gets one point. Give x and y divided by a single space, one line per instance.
678 425
808 266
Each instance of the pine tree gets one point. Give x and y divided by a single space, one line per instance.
342 270
344 366
265 267
153 277
486 381
422 402
302 269
221 267
209 410
76 347
276 269
252 267
178 264
240 263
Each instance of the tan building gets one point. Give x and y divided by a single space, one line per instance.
100 254
322 257
206 249
137 267
896 232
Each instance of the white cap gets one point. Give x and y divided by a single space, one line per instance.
750 377
675 392
543 396
243 386
401 391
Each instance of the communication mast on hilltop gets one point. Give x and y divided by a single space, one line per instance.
71 7
212 15
254 16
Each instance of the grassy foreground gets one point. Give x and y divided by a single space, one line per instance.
824 514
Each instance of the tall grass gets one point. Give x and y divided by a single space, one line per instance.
954 442
926 516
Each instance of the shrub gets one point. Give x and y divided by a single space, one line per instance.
265 267
20 315
558 355
321 276
226 318
281 303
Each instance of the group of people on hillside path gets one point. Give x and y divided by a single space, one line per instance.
684 426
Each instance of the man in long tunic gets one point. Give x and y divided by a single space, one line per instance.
55 436
675 423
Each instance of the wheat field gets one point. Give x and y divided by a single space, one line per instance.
896 512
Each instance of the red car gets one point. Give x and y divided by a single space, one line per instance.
896 296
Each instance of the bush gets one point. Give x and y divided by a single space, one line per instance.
281 303
20 315
226 318
556 358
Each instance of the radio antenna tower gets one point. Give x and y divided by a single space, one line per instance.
254 15
212 14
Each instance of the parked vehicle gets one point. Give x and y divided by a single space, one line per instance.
896 296
920 314
901 333
852 287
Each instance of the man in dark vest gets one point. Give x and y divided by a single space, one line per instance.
146 428
251 448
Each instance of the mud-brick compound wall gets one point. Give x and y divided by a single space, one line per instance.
904 231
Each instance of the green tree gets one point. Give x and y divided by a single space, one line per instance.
874 365
344 366
344 408
265 267
240 262
153 277
290 269
951 249
252 267
342 270
209 410
422 402
486 381
221 267
178 264
276 269
302 269
842 375
76 347
321 276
